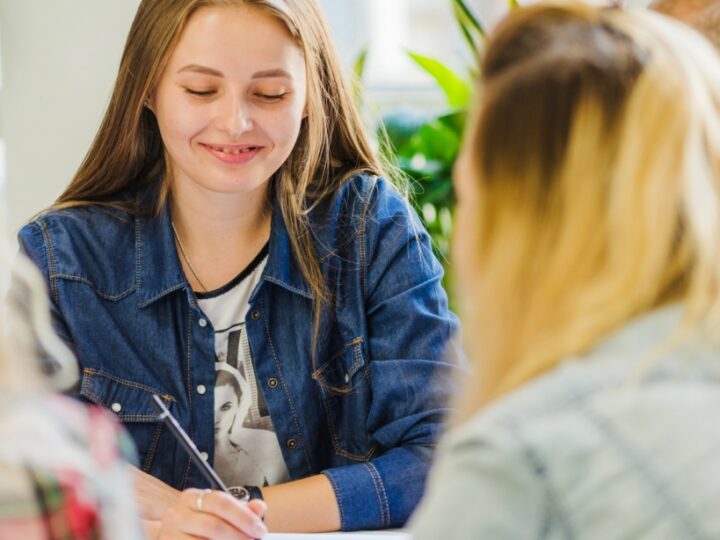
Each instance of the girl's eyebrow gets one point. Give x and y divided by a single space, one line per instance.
195 68
271 73
266 74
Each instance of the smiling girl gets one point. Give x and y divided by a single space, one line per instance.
231 211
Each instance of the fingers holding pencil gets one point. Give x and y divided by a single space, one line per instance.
206 513
213 514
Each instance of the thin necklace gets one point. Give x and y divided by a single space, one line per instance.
187 260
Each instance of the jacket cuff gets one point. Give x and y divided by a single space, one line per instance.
361 497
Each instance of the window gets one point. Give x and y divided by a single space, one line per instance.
389 28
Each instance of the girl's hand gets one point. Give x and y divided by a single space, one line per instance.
154 497
194 513
213 515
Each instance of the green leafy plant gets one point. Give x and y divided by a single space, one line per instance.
425 147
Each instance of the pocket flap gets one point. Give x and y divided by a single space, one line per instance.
130 401
343 372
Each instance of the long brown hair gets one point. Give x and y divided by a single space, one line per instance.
593 161
127 155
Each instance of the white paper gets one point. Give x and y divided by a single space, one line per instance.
371 535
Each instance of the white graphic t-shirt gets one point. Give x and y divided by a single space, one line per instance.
247 451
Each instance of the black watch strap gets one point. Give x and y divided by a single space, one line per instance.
255 492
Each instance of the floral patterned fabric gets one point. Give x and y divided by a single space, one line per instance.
63 473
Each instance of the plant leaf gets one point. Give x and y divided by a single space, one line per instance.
358 72
435 141
469 39
470 26
468 16
456 89
454 120
397 128
359 65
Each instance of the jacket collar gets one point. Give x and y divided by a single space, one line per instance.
282 268
160 272
159 268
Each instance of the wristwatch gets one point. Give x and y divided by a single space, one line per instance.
246 493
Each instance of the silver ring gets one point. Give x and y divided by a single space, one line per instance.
199 501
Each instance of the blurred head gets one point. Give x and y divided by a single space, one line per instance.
32 356
704 15
587 186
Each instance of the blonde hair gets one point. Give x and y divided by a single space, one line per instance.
704 15
127 154
595 152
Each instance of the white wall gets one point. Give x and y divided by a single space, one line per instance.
59 59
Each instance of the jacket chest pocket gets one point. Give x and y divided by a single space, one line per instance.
131 403
346 395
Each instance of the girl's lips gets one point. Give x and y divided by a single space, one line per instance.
233 154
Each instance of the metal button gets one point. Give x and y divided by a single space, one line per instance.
116 407
292 443
272 382
255 315
202 323
201 389
204 456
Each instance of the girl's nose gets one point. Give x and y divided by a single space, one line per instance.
235 119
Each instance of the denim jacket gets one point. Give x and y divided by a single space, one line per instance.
621 444
366 414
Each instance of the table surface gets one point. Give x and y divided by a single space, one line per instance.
362 535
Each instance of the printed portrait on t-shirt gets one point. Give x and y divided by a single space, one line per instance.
246 447
247 451
232 400
232 348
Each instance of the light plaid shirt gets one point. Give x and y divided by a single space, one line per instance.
620 444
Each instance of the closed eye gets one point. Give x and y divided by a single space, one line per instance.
271 97
201 93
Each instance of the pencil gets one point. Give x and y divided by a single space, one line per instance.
189 446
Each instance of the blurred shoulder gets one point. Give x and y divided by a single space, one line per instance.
29 424
62 458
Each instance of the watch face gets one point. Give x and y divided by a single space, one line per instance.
239 493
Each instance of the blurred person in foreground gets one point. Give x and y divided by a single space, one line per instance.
62 469
589 221
704 15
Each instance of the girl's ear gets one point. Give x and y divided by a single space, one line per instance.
149 103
